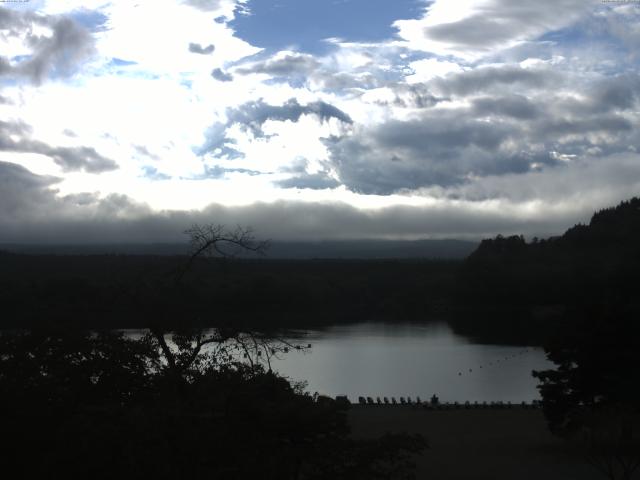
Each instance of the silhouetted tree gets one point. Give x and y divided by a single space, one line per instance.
592 397
607 440
103 406
215 240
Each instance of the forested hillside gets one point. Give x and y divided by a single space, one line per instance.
517 286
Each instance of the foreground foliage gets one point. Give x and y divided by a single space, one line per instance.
106 406
592 397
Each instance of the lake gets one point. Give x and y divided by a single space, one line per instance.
373 359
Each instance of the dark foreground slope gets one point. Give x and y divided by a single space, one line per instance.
482 444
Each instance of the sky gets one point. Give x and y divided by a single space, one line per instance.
128 121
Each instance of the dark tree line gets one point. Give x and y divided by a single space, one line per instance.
513 286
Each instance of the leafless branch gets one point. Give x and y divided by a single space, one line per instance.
215 240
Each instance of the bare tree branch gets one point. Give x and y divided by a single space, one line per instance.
214 240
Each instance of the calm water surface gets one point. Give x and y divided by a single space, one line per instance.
371 359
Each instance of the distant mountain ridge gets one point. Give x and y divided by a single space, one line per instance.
326 249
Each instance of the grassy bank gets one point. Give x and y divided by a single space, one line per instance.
477 444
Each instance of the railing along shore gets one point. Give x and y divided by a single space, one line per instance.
438 405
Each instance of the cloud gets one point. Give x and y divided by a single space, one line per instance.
22 193
483 113
418 95
167 38
514 106
221 76
284 64
436 148
144 151
535 203
313 181
62 46
622 22
30 201
217 171
252 116
15 137
30 209
601 180
620 92
502 120
199 49
428 68
205 5
475 28
497 79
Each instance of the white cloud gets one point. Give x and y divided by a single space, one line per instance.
156 34
428 68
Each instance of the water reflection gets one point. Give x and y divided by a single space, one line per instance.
412 360
394 360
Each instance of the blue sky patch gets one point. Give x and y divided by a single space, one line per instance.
92 20
304 24
118 62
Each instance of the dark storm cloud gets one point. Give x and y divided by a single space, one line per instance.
619 93
415 96
515 106
199 49
497 22
300 68
76 158
30 211
5 66
221 76
291 64
15 137
601 180
253 115
21 192
562 127
484 79
30 201
61 52
507 120
313 181
605 107
440 148
492 137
